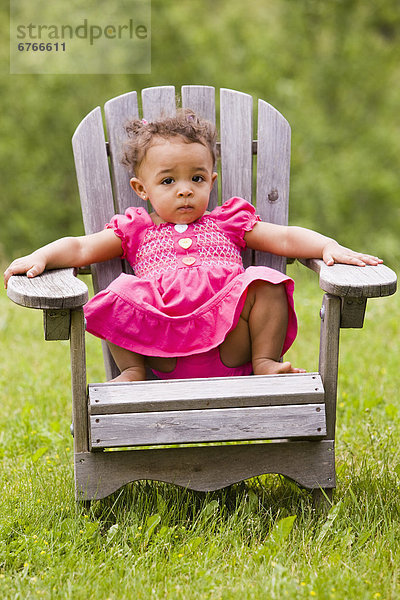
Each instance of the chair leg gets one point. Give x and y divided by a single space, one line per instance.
328 369
329 357
322 499
78 380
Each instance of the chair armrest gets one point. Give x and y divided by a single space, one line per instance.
355 282
55 289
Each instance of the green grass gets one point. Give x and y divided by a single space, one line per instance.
258 539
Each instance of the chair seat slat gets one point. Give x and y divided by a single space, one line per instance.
184 394
214 425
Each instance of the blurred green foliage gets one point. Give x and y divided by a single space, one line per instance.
331 67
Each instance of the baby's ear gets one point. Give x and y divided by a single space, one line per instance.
213 178
138 187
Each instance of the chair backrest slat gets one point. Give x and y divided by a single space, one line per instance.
273 172
236 144
118 112
236 132
158 102
91 163
95 190
201 99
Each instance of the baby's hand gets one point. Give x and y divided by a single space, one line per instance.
335 253
32 265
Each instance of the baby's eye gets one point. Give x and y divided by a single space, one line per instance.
197 178
167 180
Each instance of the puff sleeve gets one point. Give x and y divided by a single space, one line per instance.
235 217
130 228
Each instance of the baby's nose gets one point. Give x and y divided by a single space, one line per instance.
185 192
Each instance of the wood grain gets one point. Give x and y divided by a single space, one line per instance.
236 144
185 394
236 132
201 99
78 382
206 468
329 357
212 425
356 282
56 324
55 289
273 172
94 182
353 312
158 102
118 112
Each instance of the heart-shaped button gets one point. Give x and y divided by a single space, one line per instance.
188 260
185 243
181 227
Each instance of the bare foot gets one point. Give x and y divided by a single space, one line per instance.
130 374
267 366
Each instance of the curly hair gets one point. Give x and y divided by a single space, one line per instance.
185 124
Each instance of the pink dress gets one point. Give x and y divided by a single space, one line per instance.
189 285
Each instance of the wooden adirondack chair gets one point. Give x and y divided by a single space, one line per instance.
295 413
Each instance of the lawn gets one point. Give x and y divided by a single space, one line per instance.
258 539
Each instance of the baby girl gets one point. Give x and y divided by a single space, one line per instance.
190 309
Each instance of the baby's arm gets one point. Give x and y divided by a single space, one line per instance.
297 242
67 252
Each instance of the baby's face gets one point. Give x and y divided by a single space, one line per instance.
177 178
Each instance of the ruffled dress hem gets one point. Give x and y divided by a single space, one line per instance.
152 333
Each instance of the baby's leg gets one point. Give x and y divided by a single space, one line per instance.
129 363
261 331
133 365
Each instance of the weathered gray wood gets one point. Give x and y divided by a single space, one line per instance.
329 357
195 467
158 102
118 112
184 394
205 468
201 99
236 144
353 312
91 163
356 282
273 173
95 190
212 425
57 324
78 381
54 289
236 132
